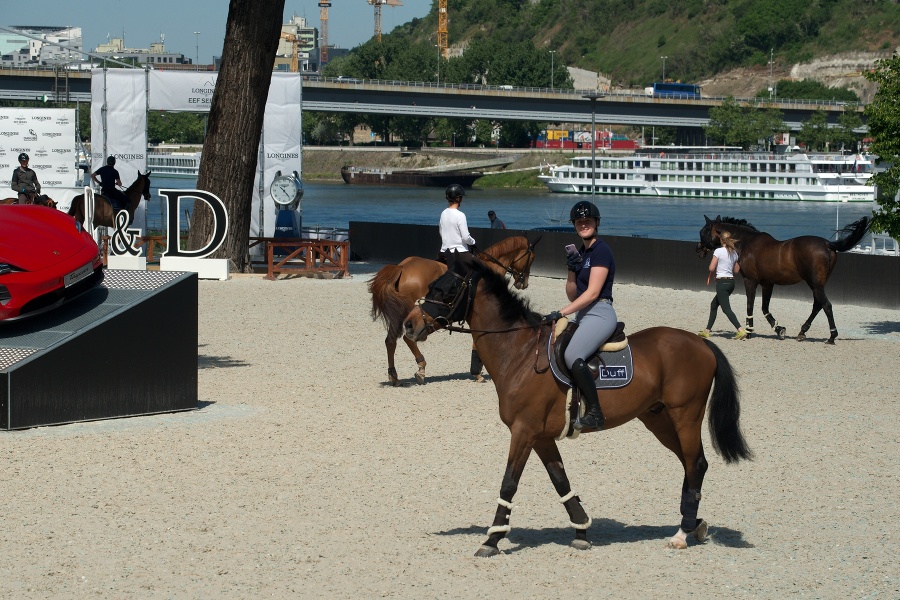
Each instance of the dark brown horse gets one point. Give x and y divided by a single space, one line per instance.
768 262
103 210
39 199
395 289
674 372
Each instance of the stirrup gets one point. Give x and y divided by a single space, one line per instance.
592 419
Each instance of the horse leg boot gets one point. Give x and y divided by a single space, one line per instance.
593 417
476 365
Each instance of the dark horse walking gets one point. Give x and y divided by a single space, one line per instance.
395 289
768 262
674 372
103 210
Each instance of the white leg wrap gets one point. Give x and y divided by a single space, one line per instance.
567 497
504 503
498 529
583 525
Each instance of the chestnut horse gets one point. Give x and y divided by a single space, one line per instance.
768 262
674 372
103 210
39 199
395 289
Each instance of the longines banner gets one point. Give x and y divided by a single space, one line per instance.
125 95
47 136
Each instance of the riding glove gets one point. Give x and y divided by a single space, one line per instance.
572 261
552 317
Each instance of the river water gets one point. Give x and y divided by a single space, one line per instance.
336 204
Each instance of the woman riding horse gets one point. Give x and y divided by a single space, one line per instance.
674 372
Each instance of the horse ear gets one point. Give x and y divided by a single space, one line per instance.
718 218
708 220
535 242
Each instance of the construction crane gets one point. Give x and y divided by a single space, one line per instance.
442 28
295 50
323 26
378 4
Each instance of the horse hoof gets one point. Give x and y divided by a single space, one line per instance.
487 552
581 544
479 378
781 331
420 378
677 543
701 530
830 341
801 337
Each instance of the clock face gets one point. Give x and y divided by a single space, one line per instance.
283 190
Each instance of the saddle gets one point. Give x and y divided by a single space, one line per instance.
611 365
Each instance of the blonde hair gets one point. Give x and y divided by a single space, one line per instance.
727 241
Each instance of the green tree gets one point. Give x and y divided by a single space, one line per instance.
844 134
734 125
883 120
815 133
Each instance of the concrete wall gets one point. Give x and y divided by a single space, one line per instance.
858 279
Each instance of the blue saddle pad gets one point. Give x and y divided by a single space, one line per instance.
612 369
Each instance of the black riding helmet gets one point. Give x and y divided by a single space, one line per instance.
583 210
22 157
454 191
111 160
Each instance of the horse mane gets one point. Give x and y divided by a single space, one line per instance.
506 245
513 307
738 222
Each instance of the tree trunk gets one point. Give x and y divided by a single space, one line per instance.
231 148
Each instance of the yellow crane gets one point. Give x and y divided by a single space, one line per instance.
323 26
377 4
295 50
442 28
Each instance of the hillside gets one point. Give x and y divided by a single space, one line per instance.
725 45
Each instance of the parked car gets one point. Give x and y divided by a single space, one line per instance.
46 259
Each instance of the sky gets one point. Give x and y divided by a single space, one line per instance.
350 22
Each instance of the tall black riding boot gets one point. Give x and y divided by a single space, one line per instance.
593 416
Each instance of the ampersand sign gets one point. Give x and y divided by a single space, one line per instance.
123 239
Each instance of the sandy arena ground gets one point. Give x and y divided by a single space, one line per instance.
304 475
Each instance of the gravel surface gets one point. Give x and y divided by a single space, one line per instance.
304 474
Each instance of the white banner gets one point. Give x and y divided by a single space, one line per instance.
119 125
127 94
47 136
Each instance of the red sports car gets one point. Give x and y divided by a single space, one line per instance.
46 258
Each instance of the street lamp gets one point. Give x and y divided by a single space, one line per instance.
664 67
439 64
593 98
197 33
552 52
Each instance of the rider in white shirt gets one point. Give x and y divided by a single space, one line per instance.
455 236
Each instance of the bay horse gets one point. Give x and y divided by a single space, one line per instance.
39 199
674 372
395 289
103 210
768 262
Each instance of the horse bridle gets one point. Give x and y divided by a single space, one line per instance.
465 292
518 276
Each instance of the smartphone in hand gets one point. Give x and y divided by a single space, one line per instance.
571 249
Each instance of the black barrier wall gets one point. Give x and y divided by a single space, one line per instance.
858 279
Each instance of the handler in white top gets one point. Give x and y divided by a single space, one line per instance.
724 264
455 236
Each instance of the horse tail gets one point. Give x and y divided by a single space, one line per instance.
850 235
387 303
74 205
725 412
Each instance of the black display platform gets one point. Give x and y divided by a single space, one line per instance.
128 347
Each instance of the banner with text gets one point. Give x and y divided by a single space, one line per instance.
47 136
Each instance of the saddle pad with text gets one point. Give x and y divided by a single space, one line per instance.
615 369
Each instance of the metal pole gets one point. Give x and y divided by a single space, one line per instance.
664 67
552 52
197 33
593 149
438 64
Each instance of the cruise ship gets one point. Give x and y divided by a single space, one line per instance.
174 164
720 172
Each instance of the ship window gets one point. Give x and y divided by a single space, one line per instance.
724 179
707 179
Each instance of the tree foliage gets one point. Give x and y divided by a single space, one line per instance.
883 120
734 125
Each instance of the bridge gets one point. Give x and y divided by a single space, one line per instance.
464 101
